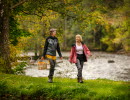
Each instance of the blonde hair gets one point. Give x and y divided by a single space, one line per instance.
78 35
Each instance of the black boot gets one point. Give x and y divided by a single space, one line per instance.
50 80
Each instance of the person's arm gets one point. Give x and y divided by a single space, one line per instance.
71 55
87 50
58 49
45 48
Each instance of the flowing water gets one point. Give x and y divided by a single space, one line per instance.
100 65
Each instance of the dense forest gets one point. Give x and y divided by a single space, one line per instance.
24 25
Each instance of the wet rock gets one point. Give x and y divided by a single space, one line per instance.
111 61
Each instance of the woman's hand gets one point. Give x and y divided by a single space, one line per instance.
90 55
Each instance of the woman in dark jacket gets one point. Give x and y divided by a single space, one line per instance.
79 54
50 48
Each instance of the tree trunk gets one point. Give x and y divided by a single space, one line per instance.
36 49
5 65
65 33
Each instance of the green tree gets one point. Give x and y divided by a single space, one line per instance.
7 11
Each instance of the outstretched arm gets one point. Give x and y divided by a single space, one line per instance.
59 51
87 50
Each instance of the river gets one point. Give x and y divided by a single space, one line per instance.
100 65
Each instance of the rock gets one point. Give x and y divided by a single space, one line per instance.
59 62
111 61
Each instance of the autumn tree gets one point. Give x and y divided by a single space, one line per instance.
31 7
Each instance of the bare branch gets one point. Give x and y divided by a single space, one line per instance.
19 3
32 14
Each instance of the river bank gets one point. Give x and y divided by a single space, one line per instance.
20 87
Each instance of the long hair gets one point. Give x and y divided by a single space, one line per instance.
78 35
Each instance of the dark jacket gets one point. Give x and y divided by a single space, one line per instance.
73 54
51 46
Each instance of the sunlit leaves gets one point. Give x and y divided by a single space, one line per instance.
99 21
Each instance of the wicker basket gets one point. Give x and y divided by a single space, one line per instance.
41 65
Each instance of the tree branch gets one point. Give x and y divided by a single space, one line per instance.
34 14
19 3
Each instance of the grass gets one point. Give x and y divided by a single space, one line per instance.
15 87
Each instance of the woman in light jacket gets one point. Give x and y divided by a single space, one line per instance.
79 54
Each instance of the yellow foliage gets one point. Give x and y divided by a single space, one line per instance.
14 52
